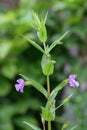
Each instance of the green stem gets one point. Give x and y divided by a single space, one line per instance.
44 46
48 89
48 85
49 125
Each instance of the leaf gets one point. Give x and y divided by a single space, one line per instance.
57 89
42 33
74 127
63 102
36 19
39 25
47 65
65 125
49 68
31 125
35 84
56 42
52 106
34 44
47 114
45 17
67 99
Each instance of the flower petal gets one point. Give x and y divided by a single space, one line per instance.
17 86
72 76
20 81
76 83
72 81
20 86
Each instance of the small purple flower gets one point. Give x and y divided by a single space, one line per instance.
20 85
72 81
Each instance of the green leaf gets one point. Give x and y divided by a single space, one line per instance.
47 65
35 84
63 102
45 17
34 44
52 107
47 114
31 125
65 125
39 25
49 68
36 19
67 99
74 127
56 42
42 33
57 89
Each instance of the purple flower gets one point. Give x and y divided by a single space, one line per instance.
72 81
20 85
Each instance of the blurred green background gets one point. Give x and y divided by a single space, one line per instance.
18 56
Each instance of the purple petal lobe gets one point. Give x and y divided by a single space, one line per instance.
20 85
17 86
72 81
20 81
72 76
77 84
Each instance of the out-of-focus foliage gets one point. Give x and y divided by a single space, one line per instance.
18 56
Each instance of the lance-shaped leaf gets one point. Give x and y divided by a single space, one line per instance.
56 42
31 125
39 25
57 89
37 85
42 33
73 128
45 18
34 44
65 125
63 102
47 114
36 19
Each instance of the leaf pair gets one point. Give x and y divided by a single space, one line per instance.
41 89
47 65
39 25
